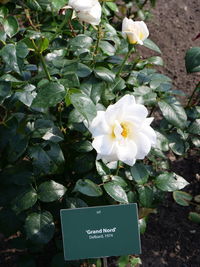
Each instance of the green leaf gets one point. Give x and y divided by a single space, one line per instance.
84 105
51 191
42 44
146 196
116 192
107 48
142 225
47 160
139 173
3 12
123 261
102 169
176 144
73 203
58 4
19 174
88 188
194 216
162 142
11 26
81 41
83 146
9 55
195 127
173 112
151 45
83 70
170 182
22 50
182 198
5 89
104 74
49 95
192 60
25 199
156 61
40 227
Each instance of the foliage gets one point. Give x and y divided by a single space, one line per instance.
192 63
55 74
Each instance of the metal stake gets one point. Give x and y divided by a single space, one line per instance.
105 262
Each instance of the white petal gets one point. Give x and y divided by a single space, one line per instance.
126 152
116 111
103 144
81 5
137 113
92 15
99 125
143 145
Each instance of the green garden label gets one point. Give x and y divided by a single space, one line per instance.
100 231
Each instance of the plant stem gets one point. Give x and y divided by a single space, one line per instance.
131 49
59 29
193 93
45 67
117 171
98 40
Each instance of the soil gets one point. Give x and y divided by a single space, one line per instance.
171 239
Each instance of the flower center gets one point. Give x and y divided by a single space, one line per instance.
125 128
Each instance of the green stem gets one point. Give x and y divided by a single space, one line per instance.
60 27
118 165
98 40
192 95
131 49
45 67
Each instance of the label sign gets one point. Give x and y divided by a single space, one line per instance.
100 231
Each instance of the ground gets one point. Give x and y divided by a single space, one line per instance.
171 239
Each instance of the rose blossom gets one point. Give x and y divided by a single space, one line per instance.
87 10
136 31
123 132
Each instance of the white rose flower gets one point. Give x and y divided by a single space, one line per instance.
136 31
123 132
87 10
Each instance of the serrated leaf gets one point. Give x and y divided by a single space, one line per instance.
5 89
9 56
192 60
195 127
87 187
11 26
173 112
51 191
170 182
84 105
39 227
151 45
176 144
24 200
104 74
47 160
116 192
139 173
146 196
49 95
182 198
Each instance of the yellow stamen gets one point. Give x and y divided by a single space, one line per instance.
126 130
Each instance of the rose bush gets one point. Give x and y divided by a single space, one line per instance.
65 86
